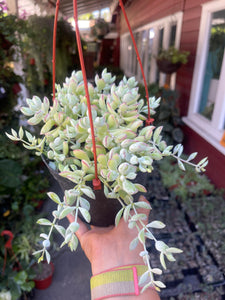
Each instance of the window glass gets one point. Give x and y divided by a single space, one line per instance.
215 54
134 55
151 36
173 35
143 46
160 46
129 54
149 39
161 33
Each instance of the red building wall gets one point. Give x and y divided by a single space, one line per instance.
145 11
141 12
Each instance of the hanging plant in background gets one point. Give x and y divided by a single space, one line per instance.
100 29
38 53
171 59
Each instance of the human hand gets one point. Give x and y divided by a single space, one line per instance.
108 247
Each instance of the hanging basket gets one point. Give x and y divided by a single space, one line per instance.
103 210
167 67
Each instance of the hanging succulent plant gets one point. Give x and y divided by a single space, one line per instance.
124 148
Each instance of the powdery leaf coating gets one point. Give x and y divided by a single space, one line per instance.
45 222
118 216
85 214
134 243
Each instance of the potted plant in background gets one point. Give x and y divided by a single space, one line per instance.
170 60
16 278
100 29
124 148
43 274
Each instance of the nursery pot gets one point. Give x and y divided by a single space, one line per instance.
167 67
103 210
44 279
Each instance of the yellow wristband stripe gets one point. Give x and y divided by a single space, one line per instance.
117 282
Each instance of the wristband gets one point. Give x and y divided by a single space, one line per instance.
119 281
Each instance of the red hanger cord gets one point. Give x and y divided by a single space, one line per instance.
149 120
96 181
54 48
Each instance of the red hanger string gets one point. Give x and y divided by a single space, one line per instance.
54 48
149 120
96 181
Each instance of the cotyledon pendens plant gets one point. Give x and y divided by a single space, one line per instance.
124 147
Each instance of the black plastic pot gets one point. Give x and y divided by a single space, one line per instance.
102 210
167 67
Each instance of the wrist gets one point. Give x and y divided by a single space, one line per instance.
118 282
104 262
102 266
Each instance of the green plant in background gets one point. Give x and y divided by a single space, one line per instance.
16 279
124 147
16 284
20 191
173 55
27 240
216 48
19 195
184 185
16 276
10 29
37 53
200 200
17 187
100 28
168 114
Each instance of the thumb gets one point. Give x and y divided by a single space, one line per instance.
83 228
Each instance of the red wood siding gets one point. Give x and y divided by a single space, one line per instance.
189 40
145 11
141 12
194 142
215 168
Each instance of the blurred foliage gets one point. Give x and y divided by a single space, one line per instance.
167 114
37 53
22 187
9 44
201 201
173 55
184 184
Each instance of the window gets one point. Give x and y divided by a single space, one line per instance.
150 39
206 113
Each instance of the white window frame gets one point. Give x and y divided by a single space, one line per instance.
165 23
211 130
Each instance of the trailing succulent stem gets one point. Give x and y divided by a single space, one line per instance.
124 148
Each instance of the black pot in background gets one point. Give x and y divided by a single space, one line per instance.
103 210
167 67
